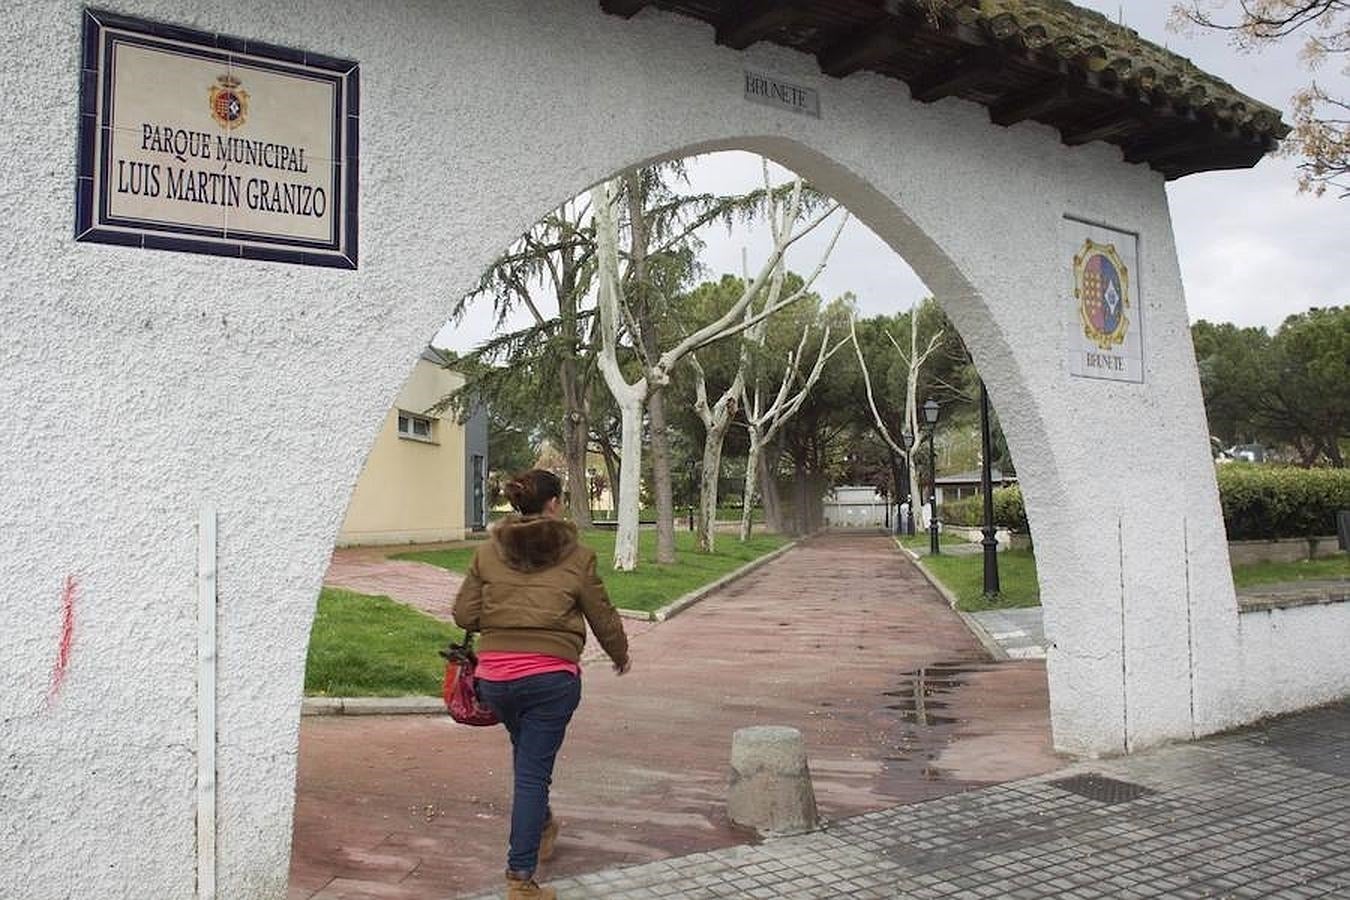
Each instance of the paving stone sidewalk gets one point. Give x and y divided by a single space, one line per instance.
1260 813
1020 632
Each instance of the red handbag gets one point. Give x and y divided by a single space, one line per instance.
460 690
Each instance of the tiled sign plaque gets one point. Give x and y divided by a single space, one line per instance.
1106 316
213 144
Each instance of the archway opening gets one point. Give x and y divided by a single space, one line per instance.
910 696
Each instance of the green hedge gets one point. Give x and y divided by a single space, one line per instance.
1259 501
1008 510
1262 501
967 512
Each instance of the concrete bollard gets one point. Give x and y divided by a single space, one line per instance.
770 782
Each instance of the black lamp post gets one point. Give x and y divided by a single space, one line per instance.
907 441
931 409
990 542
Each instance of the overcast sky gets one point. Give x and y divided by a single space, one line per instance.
1253 250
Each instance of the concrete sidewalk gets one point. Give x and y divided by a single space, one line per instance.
840 637
1260 813
1020 632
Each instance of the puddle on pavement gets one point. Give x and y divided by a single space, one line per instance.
922 695
926 710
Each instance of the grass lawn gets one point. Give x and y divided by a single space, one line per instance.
651 586
1274 573
648 514
921 541
364 646
964 576
374 647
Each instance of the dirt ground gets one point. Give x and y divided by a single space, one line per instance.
841 638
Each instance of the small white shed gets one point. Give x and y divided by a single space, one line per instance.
856 506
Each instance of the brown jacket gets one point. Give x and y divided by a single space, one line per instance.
533 587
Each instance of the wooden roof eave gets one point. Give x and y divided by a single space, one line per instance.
1022 62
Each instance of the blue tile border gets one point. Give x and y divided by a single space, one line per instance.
92 224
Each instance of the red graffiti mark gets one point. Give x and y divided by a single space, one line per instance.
68 593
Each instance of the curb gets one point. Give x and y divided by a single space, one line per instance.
681 604
991 646
981 634
427 706
371 706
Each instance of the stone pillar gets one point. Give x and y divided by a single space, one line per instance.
770 782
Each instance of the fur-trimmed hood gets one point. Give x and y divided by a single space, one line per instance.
532 543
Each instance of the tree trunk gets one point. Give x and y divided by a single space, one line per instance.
751 478
662 491
579 488
1333 453
628 397
896 497
801 520
707 493
612 471
661 486
768 487
576 433
626 537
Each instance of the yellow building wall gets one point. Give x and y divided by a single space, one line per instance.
412 491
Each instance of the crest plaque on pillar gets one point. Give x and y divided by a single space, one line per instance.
1102 303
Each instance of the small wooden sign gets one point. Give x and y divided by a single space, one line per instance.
207 143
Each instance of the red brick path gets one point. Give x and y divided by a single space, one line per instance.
369 570
825 639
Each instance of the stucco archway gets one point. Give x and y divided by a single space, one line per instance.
142 385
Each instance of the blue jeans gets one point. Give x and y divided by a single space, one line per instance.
535 711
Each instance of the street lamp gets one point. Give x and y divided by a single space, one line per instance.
907 441
931 409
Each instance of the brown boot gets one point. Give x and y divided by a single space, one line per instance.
548 839
522 886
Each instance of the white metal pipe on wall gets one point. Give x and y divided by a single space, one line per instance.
206 703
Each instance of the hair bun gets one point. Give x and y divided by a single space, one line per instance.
530 491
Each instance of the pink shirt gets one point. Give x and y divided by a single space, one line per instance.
508 665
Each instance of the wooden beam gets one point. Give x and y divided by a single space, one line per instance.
1172 142
755 21
1208 160
956 74
1033 102
1112 123
865 47
625 8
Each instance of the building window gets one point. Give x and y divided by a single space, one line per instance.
414 427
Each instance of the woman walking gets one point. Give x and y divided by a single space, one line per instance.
531 590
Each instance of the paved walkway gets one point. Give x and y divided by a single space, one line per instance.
1020 632
1261 813
841 637
369 570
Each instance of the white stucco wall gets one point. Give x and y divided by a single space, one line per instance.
139 385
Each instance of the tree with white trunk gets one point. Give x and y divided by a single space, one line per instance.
716 418
914 360
784 210
765 418
616 319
